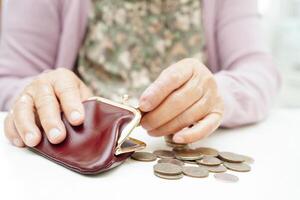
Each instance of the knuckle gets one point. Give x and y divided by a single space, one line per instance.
40 80
178 99
66 90
174 77
193 62
64 72
44 101
196 88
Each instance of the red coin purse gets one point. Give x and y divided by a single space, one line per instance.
101 143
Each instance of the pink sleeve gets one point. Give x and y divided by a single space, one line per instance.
29 42
248 80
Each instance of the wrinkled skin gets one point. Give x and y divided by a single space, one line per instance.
184 94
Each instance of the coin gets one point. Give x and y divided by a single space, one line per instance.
188 154
231 157
143 156
248 159
239 167
192 162
169 141
215 169
208 151
169 177
164 153
176 145
196 172
226 177
171 160
167 169
209 160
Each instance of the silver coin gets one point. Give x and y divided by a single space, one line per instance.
171 160
209 161
239 167
191 162
169 177
143 156
215 169
196 172
169 141
188 154
248 159
176 145
164 153
226 177
167 169
231 157
207 151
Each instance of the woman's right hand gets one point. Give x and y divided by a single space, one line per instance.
40 105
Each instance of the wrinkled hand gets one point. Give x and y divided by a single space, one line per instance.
40 106
183 101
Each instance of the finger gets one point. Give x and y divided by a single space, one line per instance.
24 120
199 130
67 90
193 114
11 132
169 80
85 92
49 112
175 104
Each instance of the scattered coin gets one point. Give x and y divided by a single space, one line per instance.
248 159
171 160
215 169
167 169
231 157
196 172
226 177
209 161
164 153
169 177
143 156
239 167
188 154
192 162
208 151
204 160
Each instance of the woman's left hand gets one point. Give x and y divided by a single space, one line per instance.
183 101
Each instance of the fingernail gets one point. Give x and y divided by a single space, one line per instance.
54 133
178 139
75 116
30 139
17 142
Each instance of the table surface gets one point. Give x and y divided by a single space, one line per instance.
274 144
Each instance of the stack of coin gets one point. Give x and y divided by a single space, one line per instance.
197 163
170 143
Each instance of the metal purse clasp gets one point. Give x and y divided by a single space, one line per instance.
131 143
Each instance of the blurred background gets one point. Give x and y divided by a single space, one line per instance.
281 25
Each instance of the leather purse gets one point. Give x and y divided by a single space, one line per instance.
101 143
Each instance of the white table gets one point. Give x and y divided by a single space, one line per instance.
275 145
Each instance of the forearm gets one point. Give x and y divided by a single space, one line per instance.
248 89
28 45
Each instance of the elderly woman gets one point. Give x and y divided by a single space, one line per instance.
186 61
